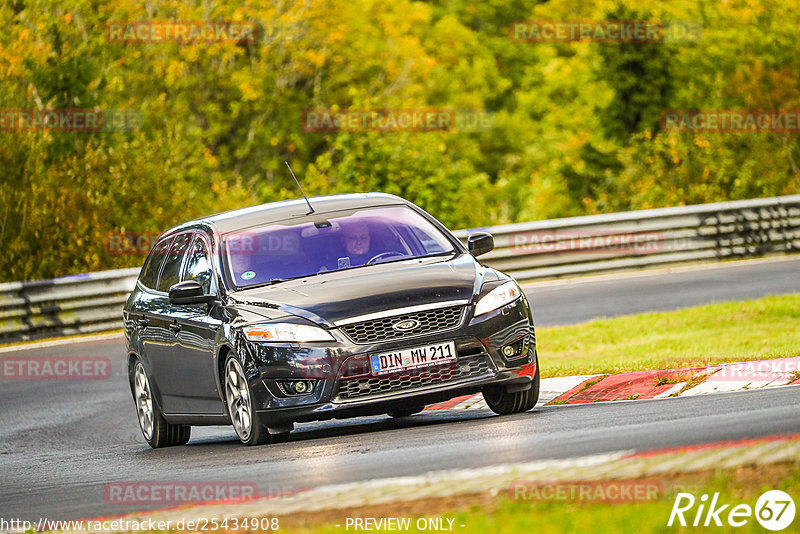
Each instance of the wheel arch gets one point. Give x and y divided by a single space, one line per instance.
222 356
133 357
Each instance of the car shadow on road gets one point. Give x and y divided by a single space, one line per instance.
321 430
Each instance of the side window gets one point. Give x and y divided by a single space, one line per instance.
152 266
198 265
172 265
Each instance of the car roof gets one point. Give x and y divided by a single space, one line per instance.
243 218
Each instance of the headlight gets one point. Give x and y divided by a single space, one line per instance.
286 332
497 297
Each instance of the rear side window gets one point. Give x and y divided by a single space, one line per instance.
152 266
198 265
172 265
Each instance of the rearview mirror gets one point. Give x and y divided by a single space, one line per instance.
189 292
480 243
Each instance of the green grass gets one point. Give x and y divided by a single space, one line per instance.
508 516
715 333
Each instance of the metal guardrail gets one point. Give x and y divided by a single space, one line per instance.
536 250
645 238
70 305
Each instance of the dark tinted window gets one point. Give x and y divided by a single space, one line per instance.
275 252
152 266
198 265
172 265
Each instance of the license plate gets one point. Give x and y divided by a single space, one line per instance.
413 358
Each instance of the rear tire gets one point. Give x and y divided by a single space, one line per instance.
502 402
239 400
405 412
155 429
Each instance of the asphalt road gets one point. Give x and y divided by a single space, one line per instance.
64 440
586 299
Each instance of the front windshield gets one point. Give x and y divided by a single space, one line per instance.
288 250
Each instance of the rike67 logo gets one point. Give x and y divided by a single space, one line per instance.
774 510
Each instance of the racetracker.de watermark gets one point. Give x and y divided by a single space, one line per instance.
731 120
70 120
398 120
269 244
750 371
223 524
130 243
55 368
181 31
241 244
585 241
180 492
607 491
606 31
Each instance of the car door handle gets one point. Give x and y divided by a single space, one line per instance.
175 327
143 323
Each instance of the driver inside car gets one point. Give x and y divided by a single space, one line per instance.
356 242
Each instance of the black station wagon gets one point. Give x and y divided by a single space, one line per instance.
288 312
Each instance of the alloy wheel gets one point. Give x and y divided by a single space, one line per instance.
144 401
238 397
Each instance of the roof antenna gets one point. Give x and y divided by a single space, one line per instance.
310 208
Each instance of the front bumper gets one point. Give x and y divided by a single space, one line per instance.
344 387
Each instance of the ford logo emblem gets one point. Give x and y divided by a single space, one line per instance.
406 325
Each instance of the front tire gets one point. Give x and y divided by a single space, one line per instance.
502 402
155 429
246 421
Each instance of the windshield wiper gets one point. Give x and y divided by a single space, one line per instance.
274 281
443 253
404 258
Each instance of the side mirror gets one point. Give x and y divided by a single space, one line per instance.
480 243
189 292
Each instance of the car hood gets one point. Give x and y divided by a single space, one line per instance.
331 297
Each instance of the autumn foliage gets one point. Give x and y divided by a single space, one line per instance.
574 126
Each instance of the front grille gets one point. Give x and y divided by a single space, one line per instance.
430 321
471 367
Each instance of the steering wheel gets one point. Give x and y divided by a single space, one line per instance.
382 255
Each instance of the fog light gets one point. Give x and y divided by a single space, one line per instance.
509 351
296 387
